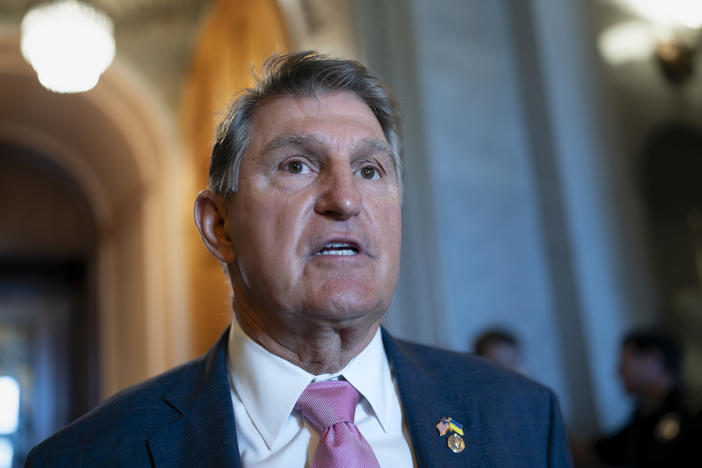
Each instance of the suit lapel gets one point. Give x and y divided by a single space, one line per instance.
422 413
425 401
203 432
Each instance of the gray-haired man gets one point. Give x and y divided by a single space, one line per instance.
304 212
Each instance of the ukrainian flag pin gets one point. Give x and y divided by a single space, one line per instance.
455 442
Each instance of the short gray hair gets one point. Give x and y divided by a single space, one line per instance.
299 74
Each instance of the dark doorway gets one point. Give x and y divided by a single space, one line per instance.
48 311
47 344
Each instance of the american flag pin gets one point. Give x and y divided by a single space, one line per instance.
455 442
443 426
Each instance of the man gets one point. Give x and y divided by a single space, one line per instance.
662 430
303 211
500 347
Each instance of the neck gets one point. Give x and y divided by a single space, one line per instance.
318 348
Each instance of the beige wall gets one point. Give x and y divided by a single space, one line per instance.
235 37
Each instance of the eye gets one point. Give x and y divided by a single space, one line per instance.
296 167
370 173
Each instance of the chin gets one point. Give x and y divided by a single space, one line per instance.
352 305
347 296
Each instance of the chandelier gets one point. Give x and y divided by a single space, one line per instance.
670 31
68 43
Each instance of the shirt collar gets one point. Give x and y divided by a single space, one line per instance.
269 386
369 373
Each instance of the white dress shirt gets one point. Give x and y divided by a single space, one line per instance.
265 388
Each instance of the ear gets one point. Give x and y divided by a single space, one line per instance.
212 220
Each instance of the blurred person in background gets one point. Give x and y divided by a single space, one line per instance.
501 347
663 431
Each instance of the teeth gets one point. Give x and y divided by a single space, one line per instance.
337 252
335 245
338 248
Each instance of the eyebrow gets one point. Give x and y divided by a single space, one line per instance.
378 145
311 140
290 140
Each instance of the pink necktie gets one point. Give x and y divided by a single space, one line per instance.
330 406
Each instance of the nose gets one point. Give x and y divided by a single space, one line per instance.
338 198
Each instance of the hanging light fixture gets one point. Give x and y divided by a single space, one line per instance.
670 31
68 43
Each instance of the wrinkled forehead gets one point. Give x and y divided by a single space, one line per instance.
291 106
331 117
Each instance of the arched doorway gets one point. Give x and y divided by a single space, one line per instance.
117 145
48 317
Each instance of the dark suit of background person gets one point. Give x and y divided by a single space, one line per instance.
330 165
663 430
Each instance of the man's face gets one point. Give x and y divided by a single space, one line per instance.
639 369
505 355
316 224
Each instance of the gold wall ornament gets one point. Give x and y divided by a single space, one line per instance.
668 427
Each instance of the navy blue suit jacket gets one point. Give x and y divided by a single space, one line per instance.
185 417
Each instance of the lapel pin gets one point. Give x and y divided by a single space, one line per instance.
668 428
455 441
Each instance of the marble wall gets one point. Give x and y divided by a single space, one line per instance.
512 203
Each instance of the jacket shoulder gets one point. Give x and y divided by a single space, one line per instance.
118 429
467 371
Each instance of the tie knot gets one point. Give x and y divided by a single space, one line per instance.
327 403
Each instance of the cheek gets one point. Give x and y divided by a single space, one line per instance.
272 231
252 234
249 249
392 219
391 225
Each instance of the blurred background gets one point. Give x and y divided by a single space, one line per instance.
553 158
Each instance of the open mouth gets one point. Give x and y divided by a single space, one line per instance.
338 248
